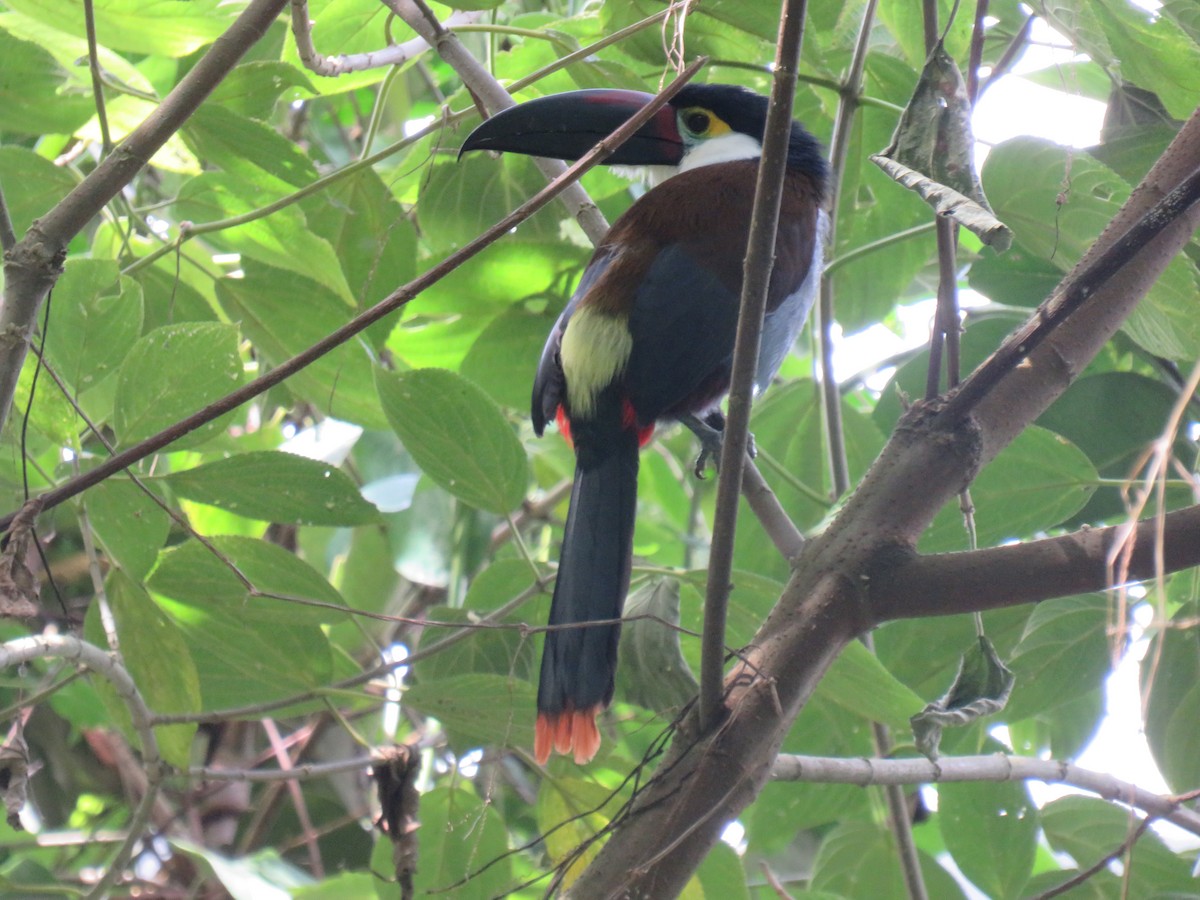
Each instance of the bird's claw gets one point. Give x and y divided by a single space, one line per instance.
710 431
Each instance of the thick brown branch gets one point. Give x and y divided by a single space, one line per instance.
903 586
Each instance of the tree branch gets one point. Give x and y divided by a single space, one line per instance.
995 767
22 650
332 66
905 586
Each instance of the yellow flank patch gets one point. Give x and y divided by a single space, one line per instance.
595 349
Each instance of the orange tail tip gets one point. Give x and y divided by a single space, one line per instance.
567 732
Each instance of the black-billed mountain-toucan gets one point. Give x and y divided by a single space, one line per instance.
649 335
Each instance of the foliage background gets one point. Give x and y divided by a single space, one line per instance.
291 201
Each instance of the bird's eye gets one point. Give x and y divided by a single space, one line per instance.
697 122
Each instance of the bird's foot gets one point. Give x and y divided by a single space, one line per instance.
710 431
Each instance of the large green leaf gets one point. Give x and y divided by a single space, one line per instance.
1169 676
157 657
32 185
265 300
457 436
193 574
129 524
478 710
1090 829
991 829
156 27
172 372
95 318
858 681
37 95
245 660
276 487
374 239
462 847
460 200
1033 484
858 859
253 88
1063 654
246 147
282 239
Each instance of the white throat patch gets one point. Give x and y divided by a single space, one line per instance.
727 148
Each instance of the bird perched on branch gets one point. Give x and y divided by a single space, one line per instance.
648 336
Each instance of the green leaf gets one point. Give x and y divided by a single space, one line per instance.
457 436
129 525
1034 483
37 95
478 710
858 681
462 847
242 659
95 318
460 200
157 657
1170 675
192 574
858 859
253 88
372 236
570 813
282 239
276 487
1062 655
653 672
32 185
1090 829
502 358
171 373
340 383
498 651
245 147
721 875
155 27
991 830
1154 53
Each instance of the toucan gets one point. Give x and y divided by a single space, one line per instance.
648 336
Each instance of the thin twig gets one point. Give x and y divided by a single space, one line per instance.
8 237
89 25
760 253
1100 864
839 150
